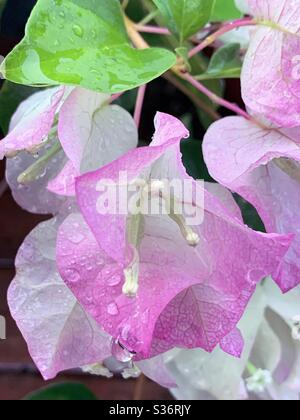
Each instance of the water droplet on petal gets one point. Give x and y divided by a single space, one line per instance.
114 280
76 237
125 332
120 352
112 309
145 317
73 276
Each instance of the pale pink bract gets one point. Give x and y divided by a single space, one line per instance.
187 297
271 71
244 157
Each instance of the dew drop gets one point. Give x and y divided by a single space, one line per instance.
114 280
42 174
99 262
125 332
76 237
78 31
73 276
120 352
112 309
145 317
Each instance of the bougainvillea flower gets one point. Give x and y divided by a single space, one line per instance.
89 130
92 134
262 166
271 72
154 282
269 366
59 333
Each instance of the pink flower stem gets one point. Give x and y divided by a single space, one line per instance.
152 29
116 96
229 26
139 104
215 98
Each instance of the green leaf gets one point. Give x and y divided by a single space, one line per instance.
250 215
193 161
62 392
225 10
225 63
185 17
82 42
2 5
11 95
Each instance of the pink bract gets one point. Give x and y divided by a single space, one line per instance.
188 296
261 165
92 133
271 72
32 122
59 333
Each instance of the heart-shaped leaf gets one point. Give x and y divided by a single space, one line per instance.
225 10
82 42
185 17
225 63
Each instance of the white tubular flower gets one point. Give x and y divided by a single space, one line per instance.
131 372
259 381
97 369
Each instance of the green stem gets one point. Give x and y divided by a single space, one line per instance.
33 172
251 368
147 19
276 26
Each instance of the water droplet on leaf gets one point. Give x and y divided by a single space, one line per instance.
78 31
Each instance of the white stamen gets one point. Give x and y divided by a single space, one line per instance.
187 232
131 273
193 238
